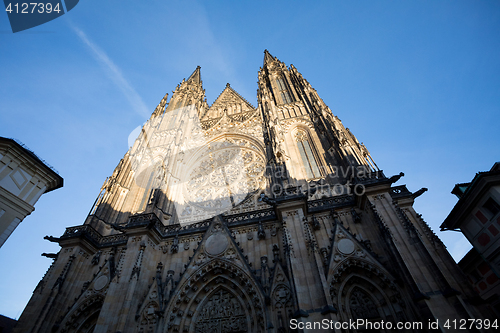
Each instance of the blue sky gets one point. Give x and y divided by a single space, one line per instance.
417 81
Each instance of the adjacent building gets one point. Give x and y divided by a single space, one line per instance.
7 324
477 216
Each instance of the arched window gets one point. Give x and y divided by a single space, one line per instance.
285 95
308 160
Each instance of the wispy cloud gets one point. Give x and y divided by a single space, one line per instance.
115 73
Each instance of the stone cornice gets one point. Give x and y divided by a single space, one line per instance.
28 158
15 203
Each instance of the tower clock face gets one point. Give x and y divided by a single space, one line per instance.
222 177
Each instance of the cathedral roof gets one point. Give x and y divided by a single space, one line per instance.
230 96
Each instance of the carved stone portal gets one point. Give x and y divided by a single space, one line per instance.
222 313
362 305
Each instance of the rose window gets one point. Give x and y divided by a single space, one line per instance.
223 178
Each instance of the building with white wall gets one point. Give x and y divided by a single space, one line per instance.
23 179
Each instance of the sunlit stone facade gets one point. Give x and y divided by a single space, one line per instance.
235 218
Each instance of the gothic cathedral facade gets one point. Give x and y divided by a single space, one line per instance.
235 218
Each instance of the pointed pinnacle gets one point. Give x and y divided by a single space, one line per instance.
196 75
267 57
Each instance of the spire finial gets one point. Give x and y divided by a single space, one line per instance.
267 57
196 76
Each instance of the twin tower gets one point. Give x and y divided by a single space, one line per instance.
234 218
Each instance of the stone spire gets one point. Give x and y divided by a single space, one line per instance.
295 116
268 58
190 92
196 76
160 109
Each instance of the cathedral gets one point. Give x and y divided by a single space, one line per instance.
232 217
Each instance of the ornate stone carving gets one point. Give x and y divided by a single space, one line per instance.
97 256
355 216
216 244
84 317
362 305
315 223
300 136
260 232
149 316
324 255
138 263
281 296
223 177
222 313
264 274
276 253
175 245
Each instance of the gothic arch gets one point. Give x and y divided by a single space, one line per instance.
88 326
282 304
217 142
223 311
290 111
362 304
362 299
356 286
185 311
235 136
148 317
84 316
307 149
293 124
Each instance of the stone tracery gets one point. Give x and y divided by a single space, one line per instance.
84 318
362 305
360 288
227 172
222 312
217 275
